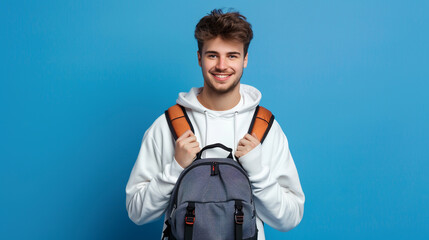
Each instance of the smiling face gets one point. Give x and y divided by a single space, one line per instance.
222 62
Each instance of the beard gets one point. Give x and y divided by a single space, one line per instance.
226 90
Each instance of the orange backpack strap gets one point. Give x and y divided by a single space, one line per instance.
178 121
261 123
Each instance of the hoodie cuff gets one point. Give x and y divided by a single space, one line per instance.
251 162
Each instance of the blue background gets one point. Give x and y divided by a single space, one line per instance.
81 81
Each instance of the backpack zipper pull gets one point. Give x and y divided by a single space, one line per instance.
214 169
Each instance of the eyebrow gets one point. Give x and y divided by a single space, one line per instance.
214 52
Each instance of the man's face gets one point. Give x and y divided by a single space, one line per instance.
222 62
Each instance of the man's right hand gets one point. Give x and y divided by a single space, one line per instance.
187 148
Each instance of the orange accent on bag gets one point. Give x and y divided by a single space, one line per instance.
262 122
178 120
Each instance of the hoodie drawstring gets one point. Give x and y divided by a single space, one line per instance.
207 127
235 128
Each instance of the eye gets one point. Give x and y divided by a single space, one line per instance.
232 56
211 56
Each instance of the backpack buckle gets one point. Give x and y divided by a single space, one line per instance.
239 219
189 220
239 216
190 214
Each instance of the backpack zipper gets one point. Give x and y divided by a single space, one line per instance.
207 163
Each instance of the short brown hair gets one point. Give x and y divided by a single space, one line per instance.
229 26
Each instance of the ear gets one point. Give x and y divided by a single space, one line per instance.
245 60
199 58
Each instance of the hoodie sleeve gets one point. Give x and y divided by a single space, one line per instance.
153 177
279 199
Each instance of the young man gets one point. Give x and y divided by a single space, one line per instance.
221 112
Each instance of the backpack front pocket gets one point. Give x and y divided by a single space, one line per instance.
213 220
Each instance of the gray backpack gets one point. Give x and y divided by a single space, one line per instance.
212 198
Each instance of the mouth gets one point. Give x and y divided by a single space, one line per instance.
221 77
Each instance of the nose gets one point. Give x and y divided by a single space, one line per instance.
221 64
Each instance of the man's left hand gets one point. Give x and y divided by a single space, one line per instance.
246 144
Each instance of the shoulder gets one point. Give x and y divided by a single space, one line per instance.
159 129
275 135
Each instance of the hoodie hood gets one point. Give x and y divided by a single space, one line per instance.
250 98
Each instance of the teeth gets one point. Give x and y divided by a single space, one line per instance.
222 76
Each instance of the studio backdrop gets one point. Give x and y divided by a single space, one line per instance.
81 81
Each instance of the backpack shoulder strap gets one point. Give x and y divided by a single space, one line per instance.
261 123
178 121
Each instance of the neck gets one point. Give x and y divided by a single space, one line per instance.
219 101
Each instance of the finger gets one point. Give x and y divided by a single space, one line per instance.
196 150
193 144
253 138
256 136
243 149
243 142
193 138
190 139
254 141
237 153
185 135
246 142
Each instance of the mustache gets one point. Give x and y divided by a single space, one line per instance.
222 72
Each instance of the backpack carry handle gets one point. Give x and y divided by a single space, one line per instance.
219 145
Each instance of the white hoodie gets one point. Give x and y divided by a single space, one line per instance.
279 199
